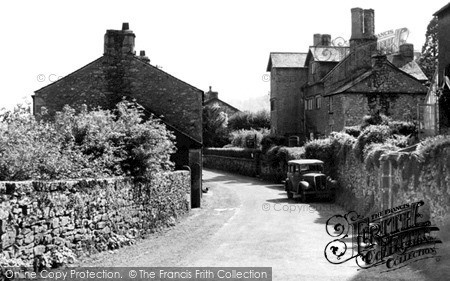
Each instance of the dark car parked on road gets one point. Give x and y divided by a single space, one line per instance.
306 179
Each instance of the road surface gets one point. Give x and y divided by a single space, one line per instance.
247 222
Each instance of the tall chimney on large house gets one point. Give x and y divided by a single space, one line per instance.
357 23
119 42
369 23
363 30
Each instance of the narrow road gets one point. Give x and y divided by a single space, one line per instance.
248 222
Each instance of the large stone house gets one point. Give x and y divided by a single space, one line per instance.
334 86
120 73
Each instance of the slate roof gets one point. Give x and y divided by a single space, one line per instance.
442 9
329 53
347 87
286 60
195 141
413 69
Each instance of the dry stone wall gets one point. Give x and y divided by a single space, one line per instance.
87 215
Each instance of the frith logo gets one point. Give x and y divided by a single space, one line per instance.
394 237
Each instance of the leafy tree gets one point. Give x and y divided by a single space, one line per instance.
215 126
428 59
98 143
249 120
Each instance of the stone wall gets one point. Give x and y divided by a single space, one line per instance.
256 167
412 180
88 215
242 166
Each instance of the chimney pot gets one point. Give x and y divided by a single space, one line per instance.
142 53
125 26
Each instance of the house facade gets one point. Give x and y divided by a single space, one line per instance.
288 73
120 73
341 84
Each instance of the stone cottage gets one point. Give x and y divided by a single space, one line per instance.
338 85
119 73
212 98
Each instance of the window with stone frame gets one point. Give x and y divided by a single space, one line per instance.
318 102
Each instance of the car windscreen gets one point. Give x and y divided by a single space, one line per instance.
312 167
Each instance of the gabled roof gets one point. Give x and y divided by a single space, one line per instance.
327 53
70 74
193 140
221 101
349 85
413 69
286 60
443 9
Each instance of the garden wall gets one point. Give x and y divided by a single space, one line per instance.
256 167
412 179
38 218
241 166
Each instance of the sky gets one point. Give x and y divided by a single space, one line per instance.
223 44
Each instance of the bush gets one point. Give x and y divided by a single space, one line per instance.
278 156
375 119
332 150
270 140
215 127
249 120
373 151
430 147
403 128
87 144
371 134
353 131
239 138
237 152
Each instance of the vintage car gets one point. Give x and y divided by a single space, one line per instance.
305 179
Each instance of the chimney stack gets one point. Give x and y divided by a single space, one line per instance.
119 42
363 31
407 52
326 39
357 23
143 57
317 39
211 95
369 23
